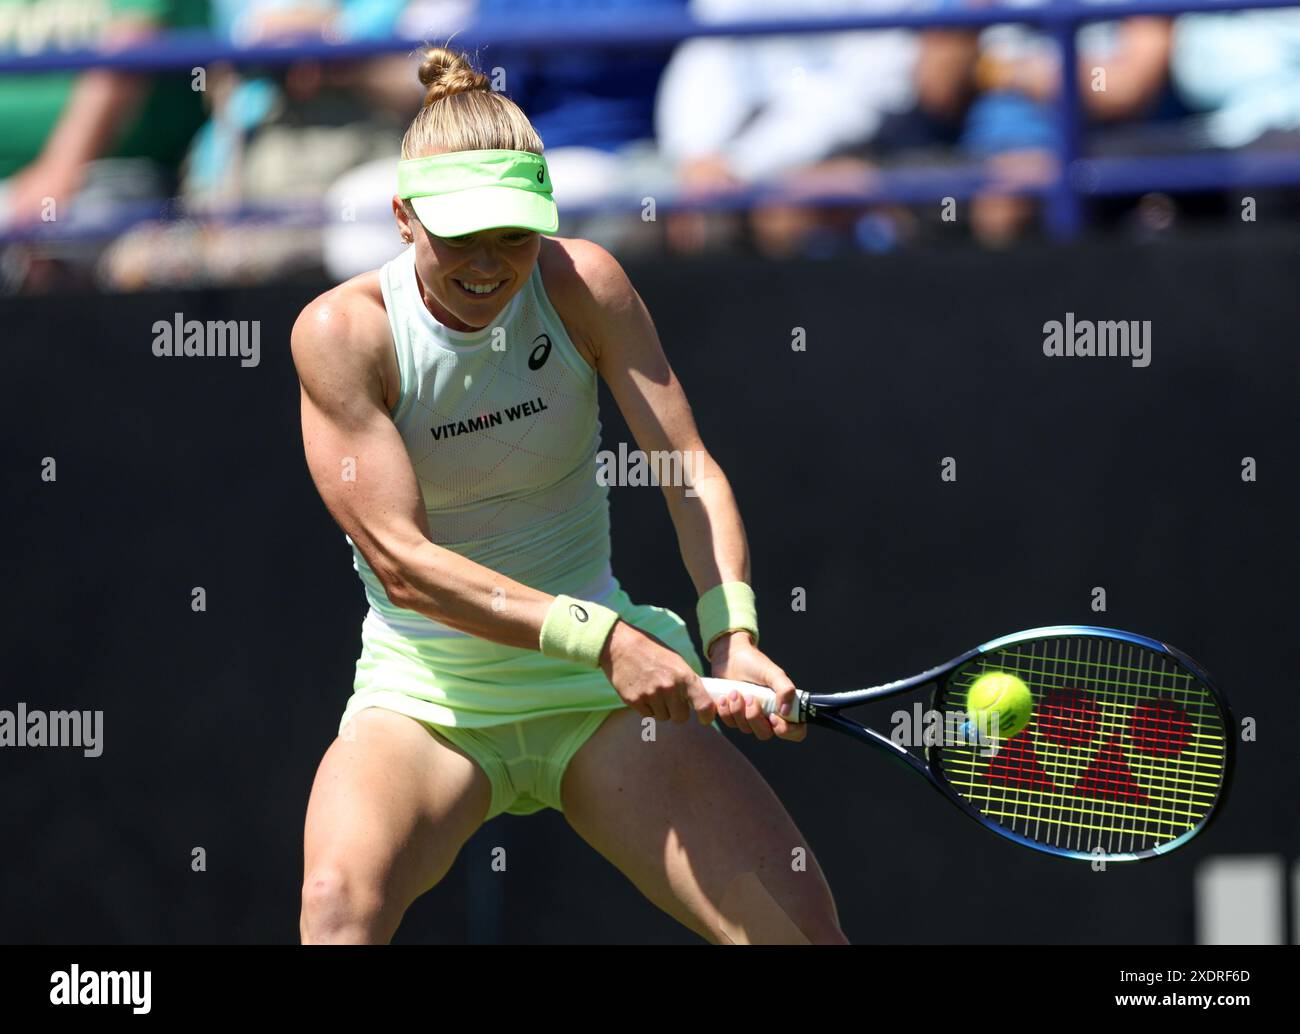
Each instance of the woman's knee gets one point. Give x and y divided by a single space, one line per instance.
342 907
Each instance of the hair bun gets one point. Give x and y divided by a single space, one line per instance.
446 72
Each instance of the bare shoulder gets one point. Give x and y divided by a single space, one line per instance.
343 334
588 287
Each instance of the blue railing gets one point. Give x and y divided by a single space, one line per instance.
1064 193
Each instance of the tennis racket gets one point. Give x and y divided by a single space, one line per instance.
1128 753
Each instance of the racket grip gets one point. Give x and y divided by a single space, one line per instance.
721 688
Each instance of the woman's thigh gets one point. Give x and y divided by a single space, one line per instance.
391 807
694 826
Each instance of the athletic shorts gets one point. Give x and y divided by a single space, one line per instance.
521 716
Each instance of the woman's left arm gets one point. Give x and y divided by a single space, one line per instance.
618 332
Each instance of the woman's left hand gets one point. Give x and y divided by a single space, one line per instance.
735 656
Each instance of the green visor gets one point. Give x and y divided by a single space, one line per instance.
466 191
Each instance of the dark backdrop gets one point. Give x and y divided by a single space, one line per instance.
1072 474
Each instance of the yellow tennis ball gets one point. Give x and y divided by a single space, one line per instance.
1000 694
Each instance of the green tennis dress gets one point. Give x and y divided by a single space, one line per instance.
502 428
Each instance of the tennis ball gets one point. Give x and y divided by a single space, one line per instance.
1002 694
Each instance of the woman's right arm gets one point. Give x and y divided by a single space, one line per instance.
361 468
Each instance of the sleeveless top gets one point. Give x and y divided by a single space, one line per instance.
502 428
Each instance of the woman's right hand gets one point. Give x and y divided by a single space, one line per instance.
652 679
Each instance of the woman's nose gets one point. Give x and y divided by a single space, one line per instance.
485 259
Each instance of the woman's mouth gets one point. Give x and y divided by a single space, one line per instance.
480 289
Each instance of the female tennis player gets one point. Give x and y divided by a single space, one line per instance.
449 414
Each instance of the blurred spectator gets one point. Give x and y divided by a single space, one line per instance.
745 111
277 142
593 110
76 147
1006 78
1243 68
360 234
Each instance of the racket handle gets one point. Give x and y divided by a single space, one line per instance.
721 688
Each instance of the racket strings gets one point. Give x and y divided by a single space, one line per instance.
1125 751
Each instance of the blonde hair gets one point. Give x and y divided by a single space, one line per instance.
462 112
